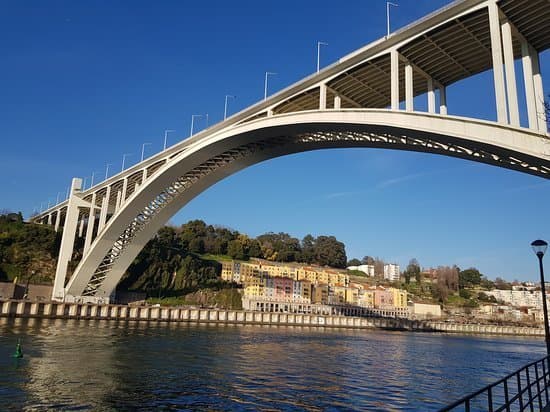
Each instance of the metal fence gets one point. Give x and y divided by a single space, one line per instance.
523 390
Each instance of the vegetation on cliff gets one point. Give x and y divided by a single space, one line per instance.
27 251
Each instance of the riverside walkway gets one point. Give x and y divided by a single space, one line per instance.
28 309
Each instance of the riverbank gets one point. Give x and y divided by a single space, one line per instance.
27 309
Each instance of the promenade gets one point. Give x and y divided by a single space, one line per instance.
56 310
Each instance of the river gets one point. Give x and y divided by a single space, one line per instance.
108 365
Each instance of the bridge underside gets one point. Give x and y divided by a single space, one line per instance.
199 167
344 105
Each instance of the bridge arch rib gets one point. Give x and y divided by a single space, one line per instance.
208 160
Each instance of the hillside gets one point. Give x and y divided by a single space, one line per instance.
27 250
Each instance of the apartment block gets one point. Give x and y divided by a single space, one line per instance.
391 272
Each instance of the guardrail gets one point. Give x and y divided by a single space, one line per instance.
523 390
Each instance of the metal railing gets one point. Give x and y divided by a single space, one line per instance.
523 390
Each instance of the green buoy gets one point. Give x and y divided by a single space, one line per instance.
18 352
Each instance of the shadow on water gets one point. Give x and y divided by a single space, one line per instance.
110 365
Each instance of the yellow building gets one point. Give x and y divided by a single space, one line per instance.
243 272
320 294
399 298
366 298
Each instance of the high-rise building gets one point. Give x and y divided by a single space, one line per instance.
391 271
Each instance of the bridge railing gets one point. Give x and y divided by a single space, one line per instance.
523 390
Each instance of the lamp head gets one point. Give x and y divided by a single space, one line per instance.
539 247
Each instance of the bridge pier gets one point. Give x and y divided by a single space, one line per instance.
67 240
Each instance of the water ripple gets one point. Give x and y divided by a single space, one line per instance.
127 366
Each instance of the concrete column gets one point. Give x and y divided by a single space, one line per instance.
409 88
431 96
144 175
527 62
57 219
498 72
67 241
442 100
81 228
91 224
322 97
50 219
118 200
124 191
539 94
104 209
394 55
269 112
337 102
511 89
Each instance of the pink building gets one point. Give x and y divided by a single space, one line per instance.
382 298
283 287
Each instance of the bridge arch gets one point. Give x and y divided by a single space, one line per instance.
206 161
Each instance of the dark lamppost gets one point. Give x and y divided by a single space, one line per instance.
539 246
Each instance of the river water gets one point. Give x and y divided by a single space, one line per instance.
108 365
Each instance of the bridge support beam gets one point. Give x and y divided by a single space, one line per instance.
539 94
104 209
498 72
534 93
91 224
323 97
442 100
431 96
394 55
67 240
409 88
511 89
57 219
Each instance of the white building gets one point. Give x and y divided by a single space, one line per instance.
391 272
367 269
518 297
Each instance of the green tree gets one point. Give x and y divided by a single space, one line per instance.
330 252
368 260
236 250
308 249
469 278
412 271
354 262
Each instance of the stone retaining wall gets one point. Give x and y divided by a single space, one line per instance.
27 309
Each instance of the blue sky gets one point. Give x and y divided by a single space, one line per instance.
84 82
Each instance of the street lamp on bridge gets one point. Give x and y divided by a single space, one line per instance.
227 96
107 170
539 247
143 149
388 4
198 116
92 181
319 44
265 82
124 156
166 137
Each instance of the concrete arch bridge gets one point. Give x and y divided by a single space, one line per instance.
366 99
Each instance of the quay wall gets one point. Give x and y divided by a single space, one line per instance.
57 310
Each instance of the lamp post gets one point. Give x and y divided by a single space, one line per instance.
143 149
319 44
166 137
107 170
93 176
265 82
124 159
539 247
227 96
193 122
388 4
